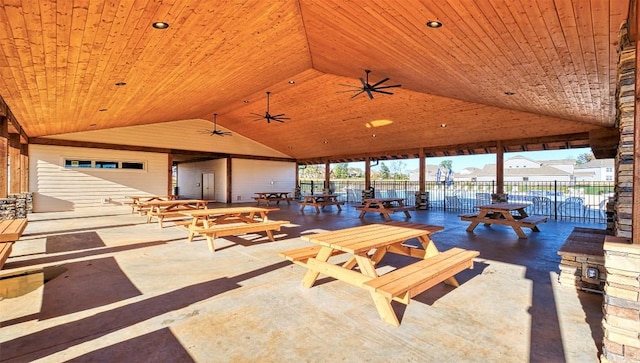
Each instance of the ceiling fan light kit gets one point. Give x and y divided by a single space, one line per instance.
269 117
370 88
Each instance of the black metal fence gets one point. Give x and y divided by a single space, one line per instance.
575 201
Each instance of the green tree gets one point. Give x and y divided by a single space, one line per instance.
397 168
341 171
446 164
584 158
385 173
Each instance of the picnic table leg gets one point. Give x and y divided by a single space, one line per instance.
385 310
362 213
311 276
386 216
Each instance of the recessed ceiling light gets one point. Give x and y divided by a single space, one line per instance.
509 93
120 84
160 25
374 135
325 142
443 125
92 125
102 109
292 82
434 24
246 101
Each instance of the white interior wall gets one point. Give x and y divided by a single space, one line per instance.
56 188
250 176
190 178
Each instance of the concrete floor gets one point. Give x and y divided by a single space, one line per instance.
102 285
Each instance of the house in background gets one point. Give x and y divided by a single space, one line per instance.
595 170
523 169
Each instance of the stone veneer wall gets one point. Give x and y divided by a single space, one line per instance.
621 307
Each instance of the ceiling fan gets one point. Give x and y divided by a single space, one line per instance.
370 88
215 128
269 117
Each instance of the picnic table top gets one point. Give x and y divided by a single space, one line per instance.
361 239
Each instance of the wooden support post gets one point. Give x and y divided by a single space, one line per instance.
4 150
499 168
170 174
423 171
327 174
229 180
367 172
24 162
14 164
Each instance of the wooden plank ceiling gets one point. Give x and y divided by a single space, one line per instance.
540 73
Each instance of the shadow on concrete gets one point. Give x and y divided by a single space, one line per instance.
55 339
158 346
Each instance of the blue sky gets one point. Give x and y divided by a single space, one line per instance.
478 161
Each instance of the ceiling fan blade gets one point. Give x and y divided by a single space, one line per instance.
278 115
392 86
385 92
350 85
380 82
357 94
369 93
364 84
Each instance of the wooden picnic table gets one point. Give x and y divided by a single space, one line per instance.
431 268
137 200
10 231
319 201
384 206
277 197
501 213
171 208
218 222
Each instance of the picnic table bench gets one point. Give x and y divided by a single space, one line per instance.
319 201
10 231
384 206
500 213
267 197
220 222
399 285
137 201
162 209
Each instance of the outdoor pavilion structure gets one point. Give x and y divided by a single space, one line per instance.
491 78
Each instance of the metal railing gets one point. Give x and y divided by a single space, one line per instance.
575 201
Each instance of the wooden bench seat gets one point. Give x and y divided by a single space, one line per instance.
300 256
468 216
406 282
533 220
232 229
275 199
173 213
10 231
402 209
5 251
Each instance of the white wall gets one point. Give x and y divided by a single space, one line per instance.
250 176
56 188
190 179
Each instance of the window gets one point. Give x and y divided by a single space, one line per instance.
609 178
130 165
525 178
77 163
609 170
106 164
102 164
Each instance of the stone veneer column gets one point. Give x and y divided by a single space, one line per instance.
621 307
